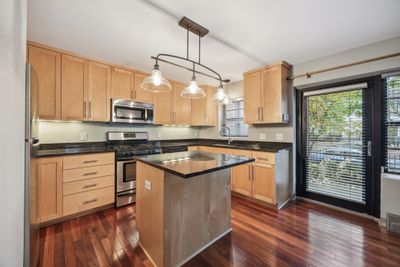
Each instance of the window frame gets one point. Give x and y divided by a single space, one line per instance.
223 120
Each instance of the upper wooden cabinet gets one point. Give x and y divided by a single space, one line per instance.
163 107
123 84
181 106
142 95
46 82
99 92
74 88
266 95
204 111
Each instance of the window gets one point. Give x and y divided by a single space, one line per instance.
392 123
232 117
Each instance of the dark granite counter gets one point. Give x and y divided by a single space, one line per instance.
190 164
63 149
236 144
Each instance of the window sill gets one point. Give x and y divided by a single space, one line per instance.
391 176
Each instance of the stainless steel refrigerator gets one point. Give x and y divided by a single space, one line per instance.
31 224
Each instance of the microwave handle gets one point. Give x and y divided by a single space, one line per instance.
145 114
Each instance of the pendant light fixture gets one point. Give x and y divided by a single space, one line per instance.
227 99
156 83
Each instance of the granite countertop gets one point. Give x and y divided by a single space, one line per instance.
190 164
62 149
236 144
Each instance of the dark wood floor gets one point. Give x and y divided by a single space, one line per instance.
303 234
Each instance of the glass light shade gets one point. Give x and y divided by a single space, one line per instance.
220 95
156 83
193 90
226 100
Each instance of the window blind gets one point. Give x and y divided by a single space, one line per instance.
335 140
392 123
233 117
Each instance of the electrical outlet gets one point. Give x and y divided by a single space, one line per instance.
279 136
196 135
84 136
147 184
263 136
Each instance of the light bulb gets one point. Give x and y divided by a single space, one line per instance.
220 95
193 87
156 77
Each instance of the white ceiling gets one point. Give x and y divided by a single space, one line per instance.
243 34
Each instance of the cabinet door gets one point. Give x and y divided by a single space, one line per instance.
46 78
204 110
49 174
241 179
264 183
181 106
74 88
123 82
99 92
252 97
162 107
275 94
142 95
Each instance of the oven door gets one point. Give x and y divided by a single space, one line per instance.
126 175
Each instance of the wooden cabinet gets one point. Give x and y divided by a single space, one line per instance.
123 84
204 111
264 187
49 175
181 114
99 92
88 182
266 95
142 95
163 107
74 88
242 179
252 97
266 179
45 82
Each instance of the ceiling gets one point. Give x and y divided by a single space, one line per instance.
243 34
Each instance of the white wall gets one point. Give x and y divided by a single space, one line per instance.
235 90
60 132
12 82
390 189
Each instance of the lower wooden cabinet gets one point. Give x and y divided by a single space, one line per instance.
49 178
71 184
266 179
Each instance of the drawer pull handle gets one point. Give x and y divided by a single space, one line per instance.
90 201
89 161
89 173
266 159
89 185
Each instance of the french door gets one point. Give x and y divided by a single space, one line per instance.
335 163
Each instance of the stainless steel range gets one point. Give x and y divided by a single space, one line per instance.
129 145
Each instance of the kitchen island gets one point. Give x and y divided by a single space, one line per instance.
183 203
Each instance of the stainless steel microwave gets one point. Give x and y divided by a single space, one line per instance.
128 111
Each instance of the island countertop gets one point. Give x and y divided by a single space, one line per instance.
190 164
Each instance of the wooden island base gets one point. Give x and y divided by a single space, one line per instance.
179 217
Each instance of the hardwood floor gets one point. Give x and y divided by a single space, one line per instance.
303 234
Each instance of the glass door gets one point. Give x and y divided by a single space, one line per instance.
336 142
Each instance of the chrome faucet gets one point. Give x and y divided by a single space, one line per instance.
229 133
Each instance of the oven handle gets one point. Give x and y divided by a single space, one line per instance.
130 192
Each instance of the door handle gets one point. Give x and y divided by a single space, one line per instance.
89 173
89 185
369 149
84 109
262 113
90 110
89 201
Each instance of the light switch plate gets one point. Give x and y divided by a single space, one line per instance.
263 136
84 136
147 184
279 136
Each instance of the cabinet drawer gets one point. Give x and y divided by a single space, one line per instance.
264 157
88 184
88 160
87 200
87 173
239 152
